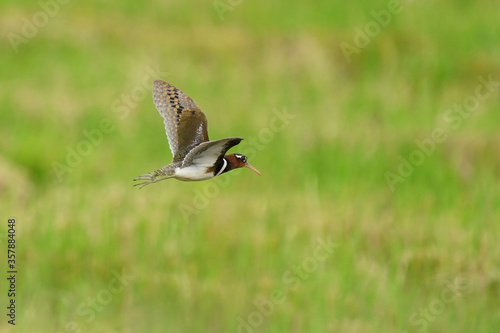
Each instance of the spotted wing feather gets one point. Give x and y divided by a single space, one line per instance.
185 123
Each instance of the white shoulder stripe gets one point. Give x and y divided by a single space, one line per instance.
223 167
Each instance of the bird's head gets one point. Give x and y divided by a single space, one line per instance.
236 161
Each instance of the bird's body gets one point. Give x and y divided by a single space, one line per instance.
195 158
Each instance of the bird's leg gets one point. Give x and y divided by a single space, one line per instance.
155 176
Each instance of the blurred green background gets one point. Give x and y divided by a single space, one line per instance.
419 254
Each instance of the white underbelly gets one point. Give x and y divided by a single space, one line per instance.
193 173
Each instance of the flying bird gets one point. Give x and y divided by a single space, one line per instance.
195 158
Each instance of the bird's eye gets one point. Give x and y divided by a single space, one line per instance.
243 158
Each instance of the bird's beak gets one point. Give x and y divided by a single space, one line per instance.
248 165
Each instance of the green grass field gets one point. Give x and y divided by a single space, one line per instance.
379 202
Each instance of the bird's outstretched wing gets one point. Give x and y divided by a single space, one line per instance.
210 154
185 124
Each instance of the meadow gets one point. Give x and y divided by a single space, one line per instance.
375 126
